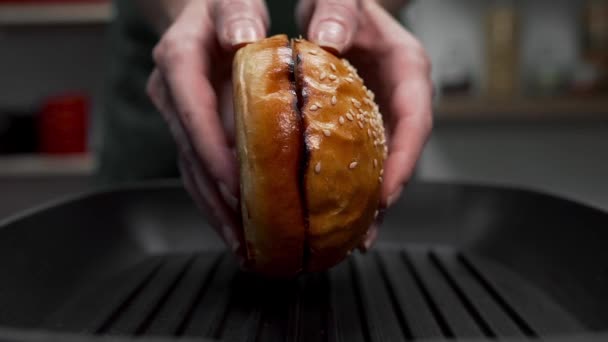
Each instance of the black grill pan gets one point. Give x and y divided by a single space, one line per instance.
454 262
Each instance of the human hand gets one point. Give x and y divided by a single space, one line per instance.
394 65
190 86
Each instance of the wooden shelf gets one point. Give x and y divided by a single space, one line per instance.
549 109
13 14
35 165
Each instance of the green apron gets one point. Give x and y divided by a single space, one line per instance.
135 143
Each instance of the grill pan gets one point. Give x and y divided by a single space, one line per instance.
454 261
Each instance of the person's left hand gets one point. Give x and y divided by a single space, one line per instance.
394 65
191 88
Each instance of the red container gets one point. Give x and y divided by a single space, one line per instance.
63 124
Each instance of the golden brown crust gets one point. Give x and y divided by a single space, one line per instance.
269 138
311 150
342 181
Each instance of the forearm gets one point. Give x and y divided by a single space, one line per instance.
161 13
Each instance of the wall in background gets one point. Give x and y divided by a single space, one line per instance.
39 61
453 32
565 159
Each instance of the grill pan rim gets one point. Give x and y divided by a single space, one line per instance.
36 335
174 184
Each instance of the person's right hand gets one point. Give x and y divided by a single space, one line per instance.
395 65
190 86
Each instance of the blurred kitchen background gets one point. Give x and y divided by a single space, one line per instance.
521 95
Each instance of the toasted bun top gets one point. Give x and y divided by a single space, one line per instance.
311 150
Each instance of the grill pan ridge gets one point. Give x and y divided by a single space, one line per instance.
388 295
149 282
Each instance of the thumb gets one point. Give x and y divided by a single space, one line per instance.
239 22
334 23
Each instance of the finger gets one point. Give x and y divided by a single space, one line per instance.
304 11
231 237
370 238
158 93
372 234
227 111
207 196
412 110
199 201
240 22
208 199
334 23
184 66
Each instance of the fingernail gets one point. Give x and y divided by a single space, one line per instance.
230 238
230 200
371 237
242 32
331 34
244 263
393 197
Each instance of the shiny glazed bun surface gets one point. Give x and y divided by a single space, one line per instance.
311 150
